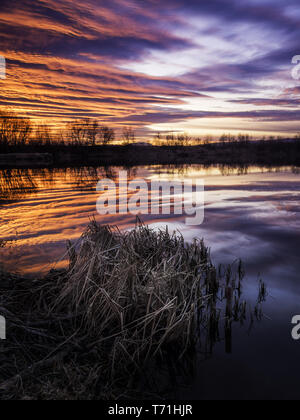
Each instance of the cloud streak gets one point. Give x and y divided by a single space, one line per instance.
151 64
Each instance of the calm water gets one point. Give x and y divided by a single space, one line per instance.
250 213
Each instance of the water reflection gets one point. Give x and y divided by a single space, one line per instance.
251 213
225 308
16 184
41 208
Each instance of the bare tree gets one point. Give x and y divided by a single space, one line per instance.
157 140
183 140
43 135
128 136
107 135
91 131
88 132
83 132
75 133
170 140
14 130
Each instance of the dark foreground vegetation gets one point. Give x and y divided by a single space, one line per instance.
131 315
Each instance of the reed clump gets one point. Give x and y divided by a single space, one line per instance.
129 305
138 292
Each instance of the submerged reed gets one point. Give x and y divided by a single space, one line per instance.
130 306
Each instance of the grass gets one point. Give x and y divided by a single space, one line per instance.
129 315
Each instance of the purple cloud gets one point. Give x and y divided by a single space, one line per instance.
150 63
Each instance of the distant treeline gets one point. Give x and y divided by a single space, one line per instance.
173 140
21 134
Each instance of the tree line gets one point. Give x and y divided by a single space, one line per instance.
175 140
18 132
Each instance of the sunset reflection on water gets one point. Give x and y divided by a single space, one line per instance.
41 209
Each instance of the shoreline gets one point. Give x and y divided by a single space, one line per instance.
265 153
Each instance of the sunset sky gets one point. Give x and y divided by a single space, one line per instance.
203 67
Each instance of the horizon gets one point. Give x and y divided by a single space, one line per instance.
197 68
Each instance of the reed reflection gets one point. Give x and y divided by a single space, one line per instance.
17 184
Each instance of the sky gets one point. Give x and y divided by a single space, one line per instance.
195 66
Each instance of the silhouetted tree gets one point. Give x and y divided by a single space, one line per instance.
83 132
107 135
183 140
128 136
91 131
170 140
88 132
157 140
75 133
14 130
43 136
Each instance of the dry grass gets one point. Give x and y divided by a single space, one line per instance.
131 306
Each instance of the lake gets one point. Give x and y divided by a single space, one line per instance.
251 213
